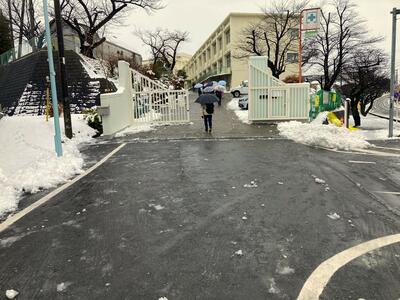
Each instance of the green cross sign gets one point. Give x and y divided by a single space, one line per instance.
311 17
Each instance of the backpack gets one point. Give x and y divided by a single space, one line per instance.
210 108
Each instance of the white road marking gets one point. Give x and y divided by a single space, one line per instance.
390 193
317 281
387 148
14 218
379 153
362 162
361 152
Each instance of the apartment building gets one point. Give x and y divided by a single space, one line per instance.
215 59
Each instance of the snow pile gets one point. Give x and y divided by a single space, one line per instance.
328 136
61 287
243 115
27 158
11 294
239 253
333 216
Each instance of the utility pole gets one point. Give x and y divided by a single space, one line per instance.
300 57
394 13
11 28
63 76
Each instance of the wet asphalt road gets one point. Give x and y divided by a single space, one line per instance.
164 217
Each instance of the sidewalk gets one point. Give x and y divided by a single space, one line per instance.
225 125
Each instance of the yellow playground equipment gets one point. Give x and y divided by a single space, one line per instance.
337 120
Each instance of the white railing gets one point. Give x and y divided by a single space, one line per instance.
140 99
142 83
153 102
271 99
161 106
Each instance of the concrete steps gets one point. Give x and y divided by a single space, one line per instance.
23 84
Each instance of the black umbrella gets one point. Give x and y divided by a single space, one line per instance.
206 98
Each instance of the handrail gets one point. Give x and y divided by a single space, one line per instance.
142 83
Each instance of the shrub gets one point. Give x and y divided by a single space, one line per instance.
93 119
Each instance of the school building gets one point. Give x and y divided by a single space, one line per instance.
215 59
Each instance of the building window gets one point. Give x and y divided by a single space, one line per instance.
214 48
292 57
219 43
293 33
228 60
227 36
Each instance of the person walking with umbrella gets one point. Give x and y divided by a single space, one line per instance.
207 108
199 88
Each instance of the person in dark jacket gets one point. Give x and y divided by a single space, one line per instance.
219 95
207 111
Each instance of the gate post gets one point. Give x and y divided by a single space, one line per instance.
346 112
119 105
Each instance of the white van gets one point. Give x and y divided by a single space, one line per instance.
242 89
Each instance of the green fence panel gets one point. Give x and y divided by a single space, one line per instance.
27 47
324 101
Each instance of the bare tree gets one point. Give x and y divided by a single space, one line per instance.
275 36
87 17
342 31
155 40
164 45
174 40
366 79
25 17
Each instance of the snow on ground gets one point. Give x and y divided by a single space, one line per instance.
243 115
27 158
328 136
375 128
94 67
135 129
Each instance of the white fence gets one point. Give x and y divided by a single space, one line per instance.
153 102
141 100
271 99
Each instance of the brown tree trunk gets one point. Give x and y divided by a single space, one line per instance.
21 29
32 25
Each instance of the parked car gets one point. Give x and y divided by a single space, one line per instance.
244 103
242 89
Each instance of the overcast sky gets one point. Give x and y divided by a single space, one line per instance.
201 17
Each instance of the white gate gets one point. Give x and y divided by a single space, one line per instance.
271 99
154 102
